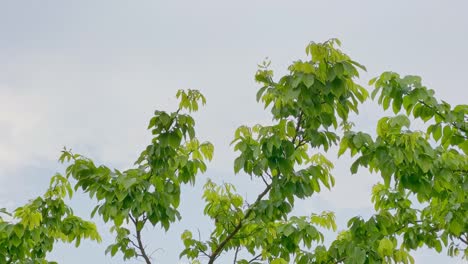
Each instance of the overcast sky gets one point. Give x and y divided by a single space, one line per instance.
89 74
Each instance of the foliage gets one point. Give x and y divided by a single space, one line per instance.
33 228
421 200
433 171
307 105
149 193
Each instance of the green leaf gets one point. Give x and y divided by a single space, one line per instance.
308 80
358 256
437 132
260 93
18 230
288 230
174 139
238 164
385 247
279 261
464 146
354 167
128 182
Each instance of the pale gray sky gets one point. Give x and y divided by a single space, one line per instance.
89 74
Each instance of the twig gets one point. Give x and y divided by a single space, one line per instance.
464 240
263 178
255 258
235 255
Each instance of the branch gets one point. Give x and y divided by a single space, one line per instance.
138 237
301 143
249 211
255 258
235 255
236 230
133 243
405 225
263 178
464 240
444 118
154 251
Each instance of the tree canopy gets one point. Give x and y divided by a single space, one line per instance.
421 199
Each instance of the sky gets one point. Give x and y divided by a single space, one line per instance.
88 75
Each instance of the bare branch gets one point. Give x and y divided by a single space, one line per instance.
464 240
255 258
263 179
235 255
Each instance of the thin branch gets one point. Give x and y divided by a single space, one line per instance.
133 243
233 224
255 258
199 234
154 251
406 226
444 118
204 252
138 237
236 230
235 255
464 240
133 219
301 143
263 178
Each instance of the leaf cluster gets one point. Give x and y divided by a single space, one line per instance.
30 232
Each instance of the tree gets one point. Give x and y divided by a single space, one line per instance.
421 201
